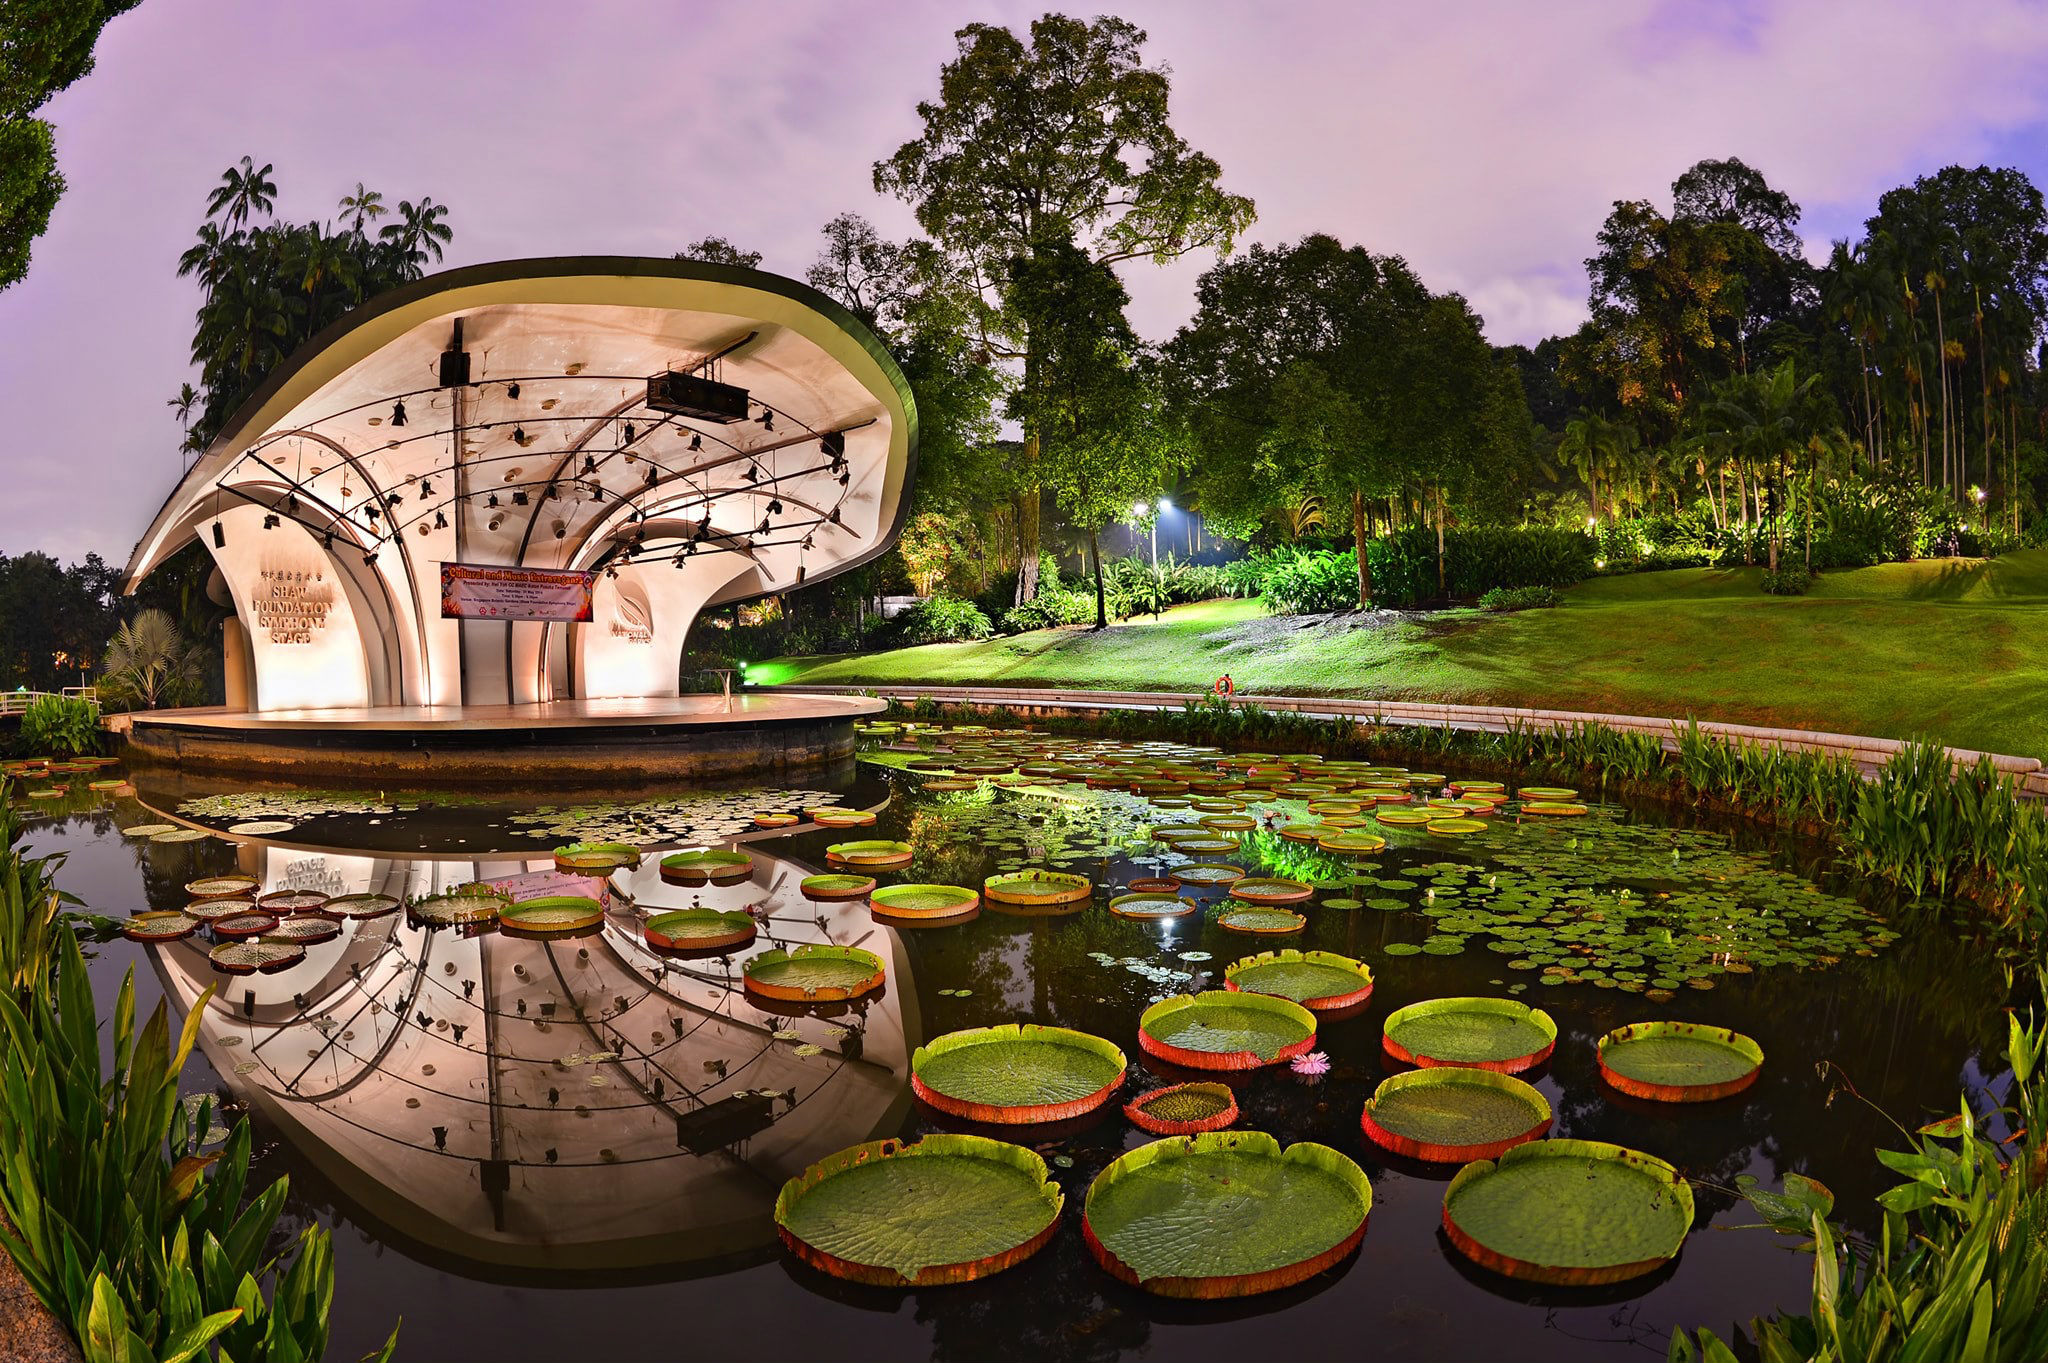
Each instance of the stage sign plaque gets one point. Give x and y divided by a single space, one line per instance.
480 591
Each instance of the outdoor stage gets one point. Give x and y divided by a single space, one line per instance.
598 739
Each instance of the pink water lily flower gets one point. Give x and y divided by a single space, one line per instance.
1314 1063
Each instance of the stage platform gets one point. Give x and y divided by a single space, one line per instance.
567 740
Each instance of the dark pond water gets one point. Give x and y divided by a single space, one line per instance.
566 1149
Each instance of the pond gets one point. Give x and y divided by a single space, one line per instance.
529 1147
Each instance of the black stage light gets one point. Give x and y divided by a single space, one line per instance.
398 413
220 536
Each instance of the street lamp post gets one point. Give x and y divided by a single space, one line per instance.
1154 510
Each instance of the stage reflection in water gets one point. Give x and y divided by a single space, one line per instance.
566 1103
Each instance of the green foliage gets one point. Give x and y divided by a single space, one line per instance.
61 724
1787 581
150 663
943 619
1518 598
32 909
1311 582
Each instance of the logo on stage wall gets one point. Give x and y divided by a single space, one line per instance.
292 604
632 616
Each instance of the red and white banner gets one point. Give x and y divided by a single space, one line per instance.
477 591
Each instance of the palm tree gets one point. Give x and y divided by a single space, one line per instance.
419 234
149 661
1595 447
362 205
1766 417
243 191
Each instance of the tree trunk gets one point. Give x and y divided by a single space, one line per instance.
1742 493
1443 591
1095 561
1777 478
1358 537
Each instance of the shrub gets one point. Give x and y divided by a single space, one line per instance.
943 619
1518 598
1789 580
60 724
1057 606
1311 582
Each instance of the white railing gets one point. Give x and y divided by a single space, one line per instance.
14 702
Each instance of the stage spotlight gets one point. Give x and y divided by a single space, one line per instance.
220 536
512 391
398 413
696 443
519 499
440 521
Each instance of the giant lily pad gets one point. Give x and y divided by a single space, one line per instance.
1225 1214
830 889
1037 889
924 904
1267 890
1576 1213
815 973
718 866
1183 1109
222 887
1259 920
1151 904
876 853
1679 1062
1223 1030
1489 1034
1321 981
366 905
596 858
546 915
457 907
246 958
948 1209
1454 1114
699 930
163 925
1203 875
1017 1073
292 901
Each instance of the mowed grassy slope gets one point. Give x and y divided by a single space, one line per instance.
1954 649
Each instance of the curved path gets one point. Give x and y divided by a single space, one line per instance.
1869 753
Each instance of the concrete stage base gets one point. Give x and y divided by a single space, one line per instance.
570 740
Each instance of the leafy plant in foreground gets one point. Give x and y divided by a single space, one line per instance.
60 724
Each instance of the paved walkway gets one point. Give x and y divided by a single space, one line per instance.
1868 752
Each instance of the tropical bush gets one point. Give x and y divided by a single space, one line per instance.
1311 582
1788 581
117 1218
1052 607
943 619
60 724
1518 598
151 663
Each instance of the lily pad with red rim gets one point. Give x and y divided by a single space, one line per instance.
1320 981
717 866
814 973
1037 889
547 915
307 929
923 904
1183 1109
246 958
1016 1073
1205 875
222 887
1259 920
874 853
1150 905
1678 1062
1504 1035
458 907
162 925
1569 1212
249 923
1270 890
596 858
1453 1115
832 889
699 930
365 905
292 901
1225 1214
1225 1030
947 1209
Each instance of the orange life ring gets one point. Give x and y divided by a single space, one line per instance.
1224 685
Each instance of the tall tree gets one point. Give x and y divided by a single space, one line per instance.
1064 138
45 46
1771 419
1103 448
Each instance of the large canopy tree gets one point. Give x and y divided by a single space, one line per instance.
1064 137
1104 447
1321 370
45 46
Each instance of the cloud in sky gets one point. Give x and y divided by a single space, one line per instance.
1484 142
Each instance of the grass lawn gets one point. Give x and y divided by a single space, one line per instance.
1954 649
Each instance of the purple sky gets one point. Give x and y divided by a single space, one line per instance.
1484 141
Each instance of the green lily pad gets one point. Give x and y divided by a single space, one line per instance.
946 1209
1014 1072
1222 1029
1489 1033
1308 978
1225 1213
1455 1113
1569 1212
